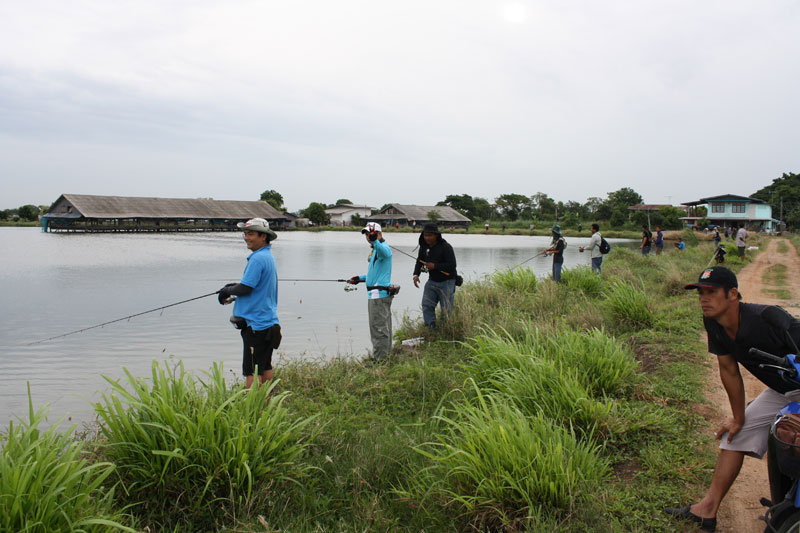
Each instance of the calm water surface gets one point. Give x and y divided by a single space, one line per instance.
56 283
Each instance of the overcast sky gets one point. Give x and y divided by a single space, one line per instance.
404 101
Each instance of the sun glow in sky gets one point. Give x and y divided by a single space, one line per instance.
515 13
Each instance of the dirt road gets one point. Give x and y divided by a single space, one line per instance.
741 508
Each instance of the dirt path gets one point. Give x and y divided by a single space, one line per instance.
741 508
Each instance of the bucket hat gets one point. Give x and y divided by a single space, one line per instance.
258 224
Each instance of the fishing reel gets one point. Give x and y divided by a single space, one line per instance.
348 287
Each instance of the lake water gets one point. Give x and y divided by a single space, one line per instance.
53 283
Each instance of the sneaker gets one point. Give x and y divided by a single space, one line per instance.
684 513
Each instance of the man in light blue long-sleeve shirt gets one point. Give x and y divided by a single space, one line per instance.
379 293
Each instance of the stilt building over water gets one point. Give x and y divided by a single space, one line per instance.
103 214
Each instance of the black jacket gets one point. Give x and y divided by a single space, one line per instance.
441 255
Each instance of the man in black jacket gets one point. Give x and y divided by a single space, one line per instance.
438 257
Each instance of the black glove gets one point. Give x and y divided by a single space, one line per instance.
225 293
355 280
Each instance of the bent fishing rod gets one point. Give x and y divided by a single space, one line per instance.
123 318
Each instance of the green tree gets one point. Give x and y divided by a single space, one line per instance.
623 198
343 201
315 212
786 190
273 198
512 206
28 212
592 205
543 204
618 218
433 215
671 217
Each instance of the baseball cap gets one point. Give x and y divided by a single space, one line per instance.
371 227
715 277
257 224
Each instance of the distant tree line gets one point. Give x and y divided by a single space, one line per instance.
26 212
784 192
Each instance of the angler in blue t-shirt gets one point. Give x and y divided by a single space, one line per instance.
256 308
380 291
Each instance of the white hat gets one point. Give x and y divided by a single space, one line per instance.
258 224
371 227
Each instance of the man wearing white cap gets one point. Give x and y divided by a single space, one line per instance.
256 309
379 291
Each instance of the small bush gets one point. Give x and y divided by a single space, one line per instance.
543 387
629 306
602 364
584 280
46 483
194 446
521 279
502 468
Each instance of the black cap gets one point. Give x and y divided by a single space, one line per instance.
431 228
715 277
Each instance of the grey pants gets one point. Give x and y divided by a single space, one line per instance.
380 326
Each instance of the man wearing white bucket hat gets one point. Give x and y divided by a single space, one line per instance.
379 291
255 312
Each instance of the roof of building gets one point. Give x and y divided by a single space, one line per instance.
91 206
725 198
344 208
420 212
649 207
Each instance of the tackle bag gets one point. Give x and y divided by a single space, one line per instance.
604 246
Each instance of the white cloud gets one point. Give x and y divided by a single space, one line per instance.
396 102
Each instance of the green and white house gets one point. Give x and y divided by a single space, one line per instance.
731 210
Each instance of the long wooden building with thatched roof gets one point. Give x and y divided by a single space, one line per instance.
413 215
89 213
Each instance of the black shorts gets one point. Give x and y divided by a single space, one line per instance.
258 347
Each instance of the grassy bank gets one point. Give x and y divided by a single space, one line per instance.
540 407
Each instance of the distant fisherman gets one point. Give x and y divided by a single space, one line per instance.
256 308
380 292
557 251
438 257
594 249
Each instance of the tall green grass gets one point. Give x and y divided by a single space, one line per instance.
584 280
521 279
48 483
502 469
602 364
630 306
186 445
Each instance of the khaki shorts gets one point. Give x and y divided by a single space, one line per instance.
758 417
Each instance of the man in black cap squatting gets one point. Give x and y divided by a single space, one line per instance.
438 257
733 328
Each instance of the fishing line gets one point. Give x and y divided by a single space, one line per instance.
123 318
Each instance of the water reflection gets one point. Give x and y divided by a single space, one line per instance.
56 283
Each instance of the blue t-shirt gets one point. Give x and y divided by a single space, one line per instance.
659 240
260 307
379 272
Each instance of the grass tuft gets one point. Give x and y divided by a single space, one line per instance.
183 444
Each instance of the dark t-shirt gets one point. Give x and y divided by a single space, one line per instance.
558 255
754 331
647 237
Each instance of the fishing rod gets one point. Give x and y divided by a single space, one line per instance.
541 252
123 318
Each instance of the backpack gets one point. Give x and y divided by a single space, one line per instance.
604 246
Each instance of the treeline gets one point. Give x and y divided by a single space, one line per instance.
540 207
26 212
